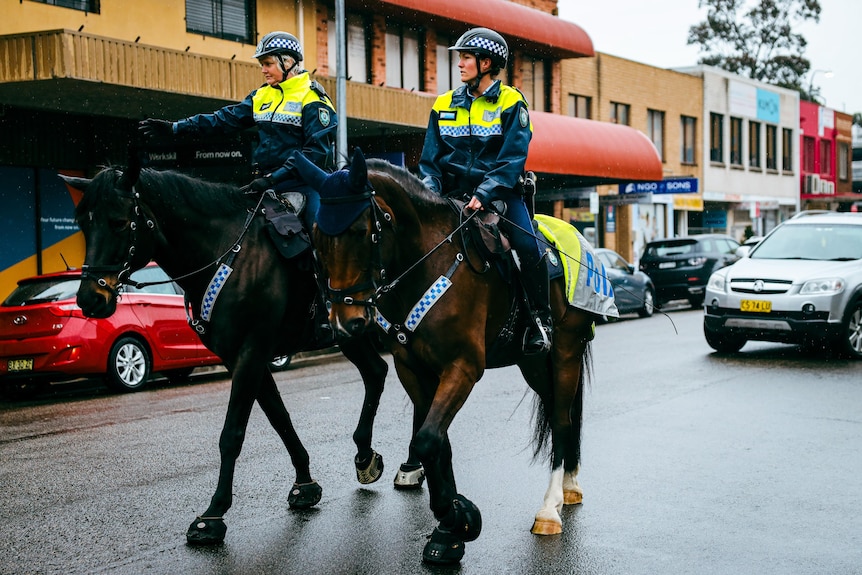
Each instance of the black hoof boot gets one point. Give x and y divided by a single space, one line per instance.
304 496
206 531
443 548
369 470
468 519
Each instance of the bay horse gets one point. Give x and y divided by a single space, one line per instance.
383 238
250 304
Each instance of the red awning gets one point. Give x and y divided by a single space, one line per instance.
592 152
524 28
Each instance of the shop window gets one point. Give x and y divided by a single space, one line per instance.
808 147
735 141
688 129
620 113
655 130
716 137
534 82
754 144
91 6
448 76
580 106
787 149
226 19
771 147
826 157
358 65
403 58
843 161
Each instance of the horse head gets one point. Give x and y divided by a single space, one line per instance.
348 245
117 236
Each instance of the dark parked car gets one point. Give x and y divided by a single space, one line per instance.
680 267
633 290
44 336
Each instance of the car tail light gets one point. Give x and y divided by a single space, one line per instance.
66 310
698 261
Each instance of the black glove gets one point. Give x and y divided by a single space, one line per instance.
152 129
261 185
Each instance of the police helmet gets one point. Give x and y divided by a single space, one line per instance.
277 44
486 43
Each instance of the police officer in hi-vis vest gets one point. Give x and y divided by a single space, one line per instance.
291 111
476 147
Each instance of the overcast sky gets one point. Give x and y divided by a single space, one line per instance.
655 33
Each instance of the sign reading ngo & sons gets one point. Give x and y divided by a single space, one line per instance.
674 186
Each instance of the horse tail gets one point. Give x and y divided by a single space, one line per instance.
544 406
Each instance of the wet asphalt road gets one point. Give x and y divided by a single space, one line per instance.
693 463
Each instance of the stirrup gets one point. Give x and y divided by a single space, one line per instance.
537 339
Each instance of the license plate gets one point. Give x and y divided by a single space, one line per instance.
755 305
20 365
666 265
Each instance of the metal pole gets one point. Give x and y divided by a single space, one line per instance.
341 83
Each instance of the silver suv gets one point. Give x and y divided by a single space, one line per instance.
802 284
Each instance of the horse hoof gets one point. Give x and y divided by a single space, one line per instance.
206 531
370 471
304 496
571 497
546 527
443 548
409 477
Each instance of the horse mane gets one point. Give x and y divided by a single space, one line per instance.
205 198
413 186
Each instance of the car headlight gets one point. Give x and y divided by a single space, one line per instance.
824 286
716 282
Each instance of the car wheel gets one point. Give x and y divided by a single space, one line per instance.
851 330
128 365
724 343
648 304
280 363
696 301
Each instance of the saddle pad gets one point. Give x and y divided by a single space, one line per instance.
587 285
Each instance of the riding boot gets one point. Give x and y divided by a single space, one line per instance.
536 286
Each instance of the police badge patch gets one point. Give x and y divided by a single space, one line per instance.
323 116
523 118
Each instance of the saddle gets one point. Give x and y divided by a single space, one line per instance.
284 226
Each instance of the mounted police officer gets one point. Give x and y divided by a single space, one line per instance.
476 147
291 112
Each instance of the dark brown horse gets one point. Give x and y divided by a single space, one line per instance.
392 256
249 304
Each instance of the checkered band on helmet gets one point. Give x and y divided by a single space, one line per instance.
486 42
276 43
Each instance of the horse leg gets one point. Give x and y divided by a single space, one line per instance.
459 519
373 369
209 528
305 491
563 407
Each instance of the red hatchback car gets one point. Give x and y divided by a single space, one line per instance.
44 336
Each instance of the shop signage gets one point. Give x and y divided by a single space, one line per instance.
674 186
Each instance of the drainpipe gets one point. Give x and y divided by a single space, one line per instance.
341 83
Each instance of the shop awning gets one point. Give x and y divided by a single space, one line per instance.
524 28
591 152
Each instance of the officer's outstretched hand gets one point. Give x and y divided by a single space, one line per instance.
152 129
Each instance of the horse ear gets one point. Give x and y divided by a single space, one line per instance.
310 173
76 183
358 171
132 171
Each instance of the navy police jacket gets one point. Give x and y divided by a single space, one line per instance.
477 146
294 115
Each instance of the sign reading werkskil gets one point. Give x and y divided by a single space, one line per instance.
674 186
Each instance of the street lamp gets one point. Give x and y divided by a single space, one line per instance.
826 74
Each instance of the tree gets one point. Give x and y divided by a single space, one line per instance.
756 39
